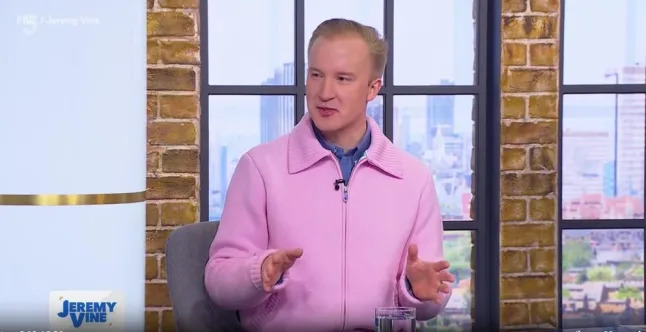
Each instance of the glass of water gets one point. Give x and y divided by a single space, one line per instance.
395 319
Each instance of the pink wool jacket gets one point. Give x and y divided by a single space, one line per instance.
354 239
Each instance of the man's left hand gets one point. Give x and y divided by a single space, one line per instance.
427 278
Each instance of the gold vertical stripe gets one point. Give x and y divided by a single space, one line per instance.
73 199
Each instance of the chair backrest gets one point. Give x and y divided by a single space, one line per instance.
187 252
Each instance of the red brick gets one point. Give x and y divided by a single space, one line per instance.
528 235
169 187
157 295
156 241
151 321
171 78
176 214
152 214
178 106
179 3
151 267
529 80
529 27
173 133
170 23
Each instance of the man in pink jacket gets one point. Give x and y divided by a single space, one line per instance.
326 224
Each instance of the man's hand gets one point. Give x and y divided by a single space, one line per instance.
427 278
276 264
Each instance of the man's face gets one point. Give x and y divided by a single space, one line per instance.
340 83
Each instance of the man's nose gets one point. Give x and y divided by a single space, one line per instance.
327 90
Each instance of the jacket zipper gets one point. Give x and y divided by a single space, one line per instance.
345 197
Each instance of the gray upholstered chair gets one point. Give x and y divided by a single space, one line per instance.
187 251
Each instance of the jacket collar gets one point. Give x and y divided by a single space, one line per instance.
304 149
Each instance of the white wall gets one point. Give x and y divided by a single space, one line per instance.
72 121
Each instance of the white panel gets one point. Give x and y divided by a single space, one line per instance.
72 121
72 95
53 248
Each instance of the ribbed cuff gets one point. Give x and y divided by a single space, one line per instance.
407 298
255 271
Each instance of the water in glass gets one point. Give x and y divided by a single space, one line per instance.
395 319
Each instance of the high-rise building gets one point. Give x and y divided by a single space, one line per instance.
375 110
635 29
586 153
631 133
609 179
440 114
277 112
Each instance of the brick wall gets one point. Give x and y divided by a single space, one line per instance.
173 129
529 83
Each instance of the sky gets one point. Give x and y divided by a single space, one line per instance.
263 38
432 37
596 33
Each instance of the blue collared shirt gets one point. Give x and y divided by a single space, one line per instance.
351 157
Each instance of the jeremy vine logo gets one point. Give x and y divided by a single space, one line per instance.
86 310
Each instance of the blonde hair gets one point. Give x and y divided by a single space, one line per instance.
336 27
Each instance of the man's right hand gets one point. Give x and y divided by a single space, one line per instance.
276 264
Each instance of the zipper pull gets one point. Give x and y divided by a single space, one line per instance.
345 194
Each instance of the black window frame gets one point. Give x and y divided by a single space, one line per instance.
486 93
585 224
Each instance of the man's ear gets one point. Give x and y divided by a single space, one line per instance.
375 87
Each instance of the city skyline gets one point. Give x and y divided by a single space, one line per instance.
603 278
603 165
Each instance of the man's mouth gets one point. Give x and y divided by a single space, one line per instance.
326 111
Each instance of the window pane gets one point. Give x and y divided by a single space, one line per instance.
618 53
369 12
438 131
458 248
603 278
251 42
434 42
603 172
374 110
236 124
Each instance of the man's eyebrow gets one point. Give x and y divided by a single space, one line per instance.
346 73
342 73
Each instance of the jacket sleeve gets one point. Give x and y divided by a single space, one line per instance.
232 275
428 235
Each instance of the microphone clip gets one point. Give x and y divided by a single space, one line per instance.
337 183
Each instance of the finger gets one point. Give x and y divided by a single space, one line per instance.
446 276
412 252
441 265
287 259
294 253
286 256
268 277
287 265
444 288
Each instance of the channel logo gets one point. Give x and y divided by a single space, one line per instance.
86 311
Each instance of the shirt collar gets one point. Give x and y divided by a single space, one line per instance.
355 152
